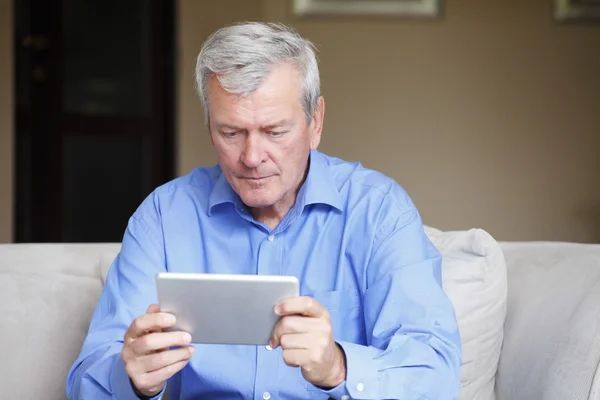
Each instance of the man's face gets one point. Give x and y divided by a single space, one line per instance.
262 140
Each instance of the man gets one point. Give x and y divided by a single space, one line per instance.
372 321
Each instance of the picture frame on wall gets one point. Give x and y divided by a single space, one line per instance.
387 8
577 10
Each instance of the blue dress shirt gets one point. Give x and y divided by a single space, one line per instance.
353 238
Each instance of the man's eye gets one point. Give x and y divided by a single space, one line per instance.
276 133
230 134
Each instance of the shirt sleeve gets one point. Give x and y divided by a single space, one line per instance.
414 349
99 372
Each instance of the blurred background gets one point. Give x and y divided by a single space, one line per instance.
487 113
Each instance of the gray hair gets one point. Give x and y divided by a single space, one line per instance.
241 56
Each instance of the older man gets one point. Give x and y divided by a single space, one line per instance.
372 321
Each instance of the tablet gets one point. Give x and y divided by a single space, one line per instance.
224 308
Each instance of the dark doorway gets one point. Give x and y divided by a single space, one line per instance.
94 114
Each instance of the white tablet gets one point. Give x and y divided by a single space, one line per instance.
224 308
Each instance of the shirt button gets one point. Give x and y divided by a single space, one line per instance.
269 348
345 397
360 387
271 238
266 395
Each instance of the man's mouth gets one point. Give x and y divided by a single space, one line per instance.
256 178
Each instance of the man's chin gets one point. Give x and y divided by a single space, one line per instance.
256 200
252 203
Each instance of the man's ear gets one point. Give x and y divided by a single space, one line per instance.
316 124
208 127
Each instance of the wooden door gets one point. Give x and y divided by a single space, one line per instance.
94 115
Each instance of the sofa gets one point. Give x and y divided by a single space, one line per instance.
529 313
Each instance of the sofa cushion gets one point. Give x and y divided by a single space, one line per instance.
47 295
474 277
551 347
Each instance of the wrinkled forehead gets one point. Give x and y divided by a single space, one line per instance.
278 97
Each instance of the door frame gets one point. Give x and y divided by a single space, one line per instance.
38 194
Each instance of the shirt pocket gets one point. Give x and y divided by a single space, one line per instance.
345 313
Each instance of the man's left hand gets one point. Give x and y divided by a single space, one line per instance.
306 338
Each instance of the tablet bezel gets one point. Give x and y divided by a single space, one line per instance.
224 308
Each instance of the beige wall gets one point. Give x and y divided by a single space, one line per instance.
6 123
489 117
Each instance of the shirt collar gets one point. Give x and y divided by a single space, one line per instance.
222 193
318 188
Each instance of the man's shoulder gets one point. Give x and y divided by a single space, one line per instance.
194 186
353 179
198 180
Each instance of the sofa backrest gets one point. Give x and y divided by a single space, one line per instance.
47 295
551 346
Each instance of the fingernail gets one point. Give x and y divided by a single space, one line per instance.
169 319
277 309
187 337
192 349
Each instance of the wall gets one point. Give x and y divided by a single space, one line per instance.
6 122
489 117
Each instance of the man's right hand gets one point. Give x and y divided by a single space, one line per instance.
149 362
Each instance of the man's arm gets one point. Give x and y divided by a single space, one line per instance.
414 349
99 371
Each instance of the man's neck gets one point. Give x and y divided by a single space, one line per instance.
273 215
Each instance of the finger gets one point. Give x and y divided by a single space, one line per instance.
302 305
291 324
156 361
158 341
153 309
296 341
148 322
295 357
158 377
295 324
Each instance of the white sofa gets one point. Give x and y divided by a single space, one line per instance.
550 344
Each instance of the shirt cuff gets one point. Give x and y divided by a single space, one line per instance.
121 384
361 374
338 393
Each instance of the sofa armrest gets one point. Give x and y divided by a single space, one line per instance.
551 346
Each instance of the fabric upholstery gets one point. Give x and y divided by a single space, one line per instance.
552 341
474 277
550 345
47 296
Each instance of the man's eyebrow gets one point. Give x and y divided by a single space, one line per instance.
228 126
277 124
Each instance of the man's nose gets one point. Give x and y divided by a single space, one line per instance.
254 152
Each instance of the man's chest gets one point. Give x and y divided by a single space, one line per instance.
328 256
325 253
